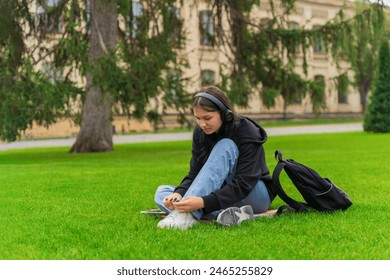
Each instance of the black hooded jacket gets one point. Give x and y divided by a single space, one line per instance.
251 166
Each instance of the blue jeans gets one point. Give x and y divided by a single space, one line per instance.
219 167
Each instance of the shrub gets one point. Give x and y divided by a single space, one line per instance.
377 116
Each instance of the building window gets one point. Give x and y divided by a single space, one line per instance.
342 88
206 26
88 15
51 72
296 99
320 79
320 83
133 20
174 13
292 25
207 77
318 41
343 98
174 19
264 23
49 22
174 79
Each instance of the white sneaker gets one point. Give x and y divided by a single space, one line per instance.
175 219
235 215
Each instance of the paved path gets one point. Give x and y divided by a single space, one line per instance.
119 139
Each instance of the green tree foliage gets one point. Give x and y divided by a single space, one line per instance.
126 73
377 117
361 48
138 72
26 95
264 55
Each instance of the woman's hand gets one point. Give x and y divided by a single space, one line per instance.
168 201
189 204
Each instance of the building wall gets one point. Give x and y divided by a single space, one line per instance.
307 15
201 58
67 128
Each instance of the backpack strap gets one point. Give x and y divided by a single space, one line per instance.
284 209
299 207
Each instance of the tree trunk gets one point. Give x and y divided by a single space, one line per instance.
96 128
363 89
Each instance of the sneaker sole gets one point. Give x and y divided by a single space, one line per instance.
235 215
247 209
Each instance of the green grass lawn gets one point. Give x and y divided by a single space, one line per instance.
55 205
267 124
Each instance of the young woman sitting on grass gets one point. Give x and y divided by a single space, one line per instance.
228 180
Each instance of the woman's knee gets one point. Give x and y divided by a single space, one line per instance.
227 146
226 143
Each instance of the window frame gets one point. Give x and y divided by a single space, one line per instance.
206 28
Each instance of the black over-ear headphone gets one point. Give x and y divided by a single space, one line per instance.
227 114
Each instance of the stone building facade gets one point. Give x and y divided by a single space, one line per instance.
204 61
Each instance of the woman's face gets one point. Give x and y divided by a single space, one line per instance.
209 122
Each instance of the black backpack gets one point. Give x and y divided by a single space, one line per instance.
319 193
